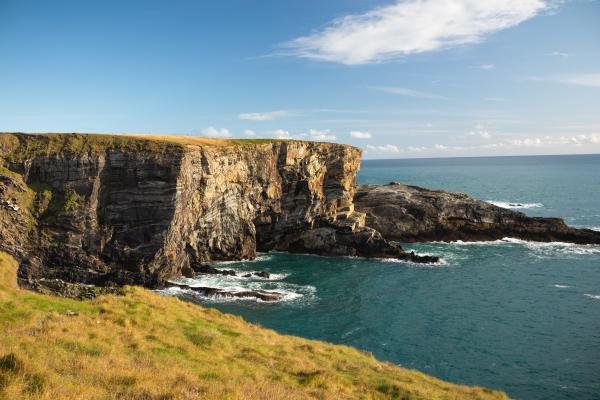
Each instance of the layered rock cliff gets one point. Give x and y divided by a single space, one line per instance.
128 209
414 214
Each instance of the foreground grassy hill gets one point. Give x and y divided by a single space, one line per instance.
144 346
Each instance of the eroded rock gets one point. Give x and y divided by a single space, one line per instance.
414 214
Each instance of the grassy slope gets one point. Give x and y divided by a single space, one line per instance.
143 346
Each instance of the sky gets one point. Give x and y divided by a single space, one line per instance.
400 79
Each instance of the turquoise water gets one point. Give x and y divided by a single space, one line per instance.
511 315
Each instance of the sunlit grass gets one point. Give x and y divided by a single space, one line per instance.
144 346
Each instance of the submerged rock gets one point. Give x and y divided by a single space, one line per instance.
414 214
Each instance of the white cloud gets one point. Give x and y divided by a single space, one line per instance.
590 80
249 132
496 99
479 132
281 134
549 142
361 135
559 54
412 26
216 132
262 116
486 66
578 140
385 149
315 134
407 92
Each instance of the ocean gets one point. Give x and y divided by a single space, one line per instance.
512 315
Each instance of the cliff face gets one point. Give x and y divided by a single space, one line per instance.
124 209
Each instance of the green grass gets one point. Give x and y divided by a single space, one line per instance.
144 346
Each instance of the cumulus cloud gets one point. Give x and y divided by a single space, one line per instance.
281 134
315 134
211 131
249 132
361 135
589 80
262 116
412 26
407 92
311 134
486 66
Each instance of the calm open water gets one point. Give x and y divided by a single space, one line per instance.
517 316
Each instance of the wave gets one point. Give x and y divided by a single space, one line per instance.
238 284
542 250
556 248
556 285
514 205
259 258
592 296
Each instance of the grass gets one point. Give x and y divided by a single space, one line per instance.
16 147
144 346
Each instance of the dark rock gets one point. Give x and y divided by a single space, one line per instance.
207 269
413 214
216 292
262 274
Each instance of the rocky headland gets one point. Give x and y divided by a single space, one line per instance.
413 214
110 210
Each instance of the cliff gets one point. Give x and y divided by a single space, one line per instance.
414 214
130 209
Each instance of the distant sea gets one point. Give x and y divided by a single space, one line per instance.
517 316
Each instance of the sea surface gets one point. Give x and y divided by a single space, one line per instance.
518 316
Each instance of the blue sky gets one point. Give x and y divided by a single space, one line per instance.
397 78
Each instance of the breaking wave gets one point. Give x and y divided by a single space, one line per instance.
244 281
514 205
593 296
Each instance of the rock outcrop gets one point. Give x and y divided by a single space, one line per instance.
413 214
106 209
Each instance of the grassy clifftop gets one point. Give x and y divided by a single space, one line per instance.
144 346
18 146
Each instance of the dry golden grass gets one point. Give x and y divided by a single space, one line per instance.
144 346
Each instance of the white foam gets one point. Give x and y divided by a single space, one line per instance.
440 263
514 204
540 248
238 284
593 296
556 248
259 257
561 286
